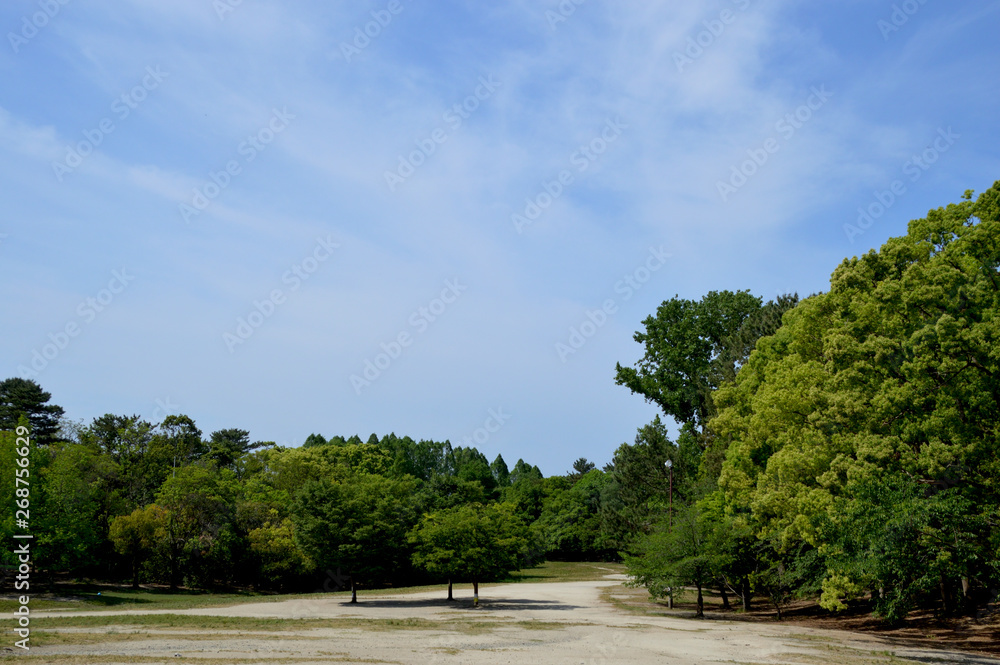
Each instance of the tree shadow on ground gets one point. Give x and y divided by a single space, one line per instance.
507 604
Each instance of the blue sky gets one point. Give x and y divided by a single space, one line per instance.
212 175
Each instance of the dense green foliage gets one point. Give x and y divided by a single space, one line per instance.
855 451
470 543
126 499
693 347
23 397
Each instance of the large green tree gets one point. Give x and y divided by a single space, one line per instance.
128 441
198 537
881 394
358 525
642 481
682 343
136 535
471 543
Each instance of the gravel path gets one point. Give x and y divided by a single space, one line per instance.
533 624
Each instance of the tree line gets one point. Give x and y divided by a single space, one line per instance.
842 447
126 500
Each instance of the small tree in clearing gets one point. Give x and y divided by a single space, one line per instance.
470 543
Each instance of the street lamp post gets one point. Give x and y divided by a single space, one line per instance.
670 517
670 513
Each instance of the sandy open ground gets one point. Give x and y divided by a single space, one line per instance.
535 624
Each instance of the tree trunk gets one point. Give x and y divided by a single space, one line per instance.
135 572
174 567
475 593
725 597
701 603
354 591
745 588
450 597
174 552
945 599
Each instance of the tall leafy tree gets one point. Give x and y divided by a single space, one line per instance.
580 468
763 322
642 481
526 491
128 441
197 532
885 391
180 439
358 525
314 440
472 465
524 471
423 459
279 557
135 535
679 369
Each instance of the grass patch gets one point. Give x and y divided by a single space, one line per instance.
845 658
534 624
44 638
567 571
100 598
263 625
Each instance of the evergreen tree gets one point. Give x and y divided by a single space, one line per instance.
24 396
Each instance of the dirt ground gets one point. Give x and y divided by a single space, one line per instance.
582 623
